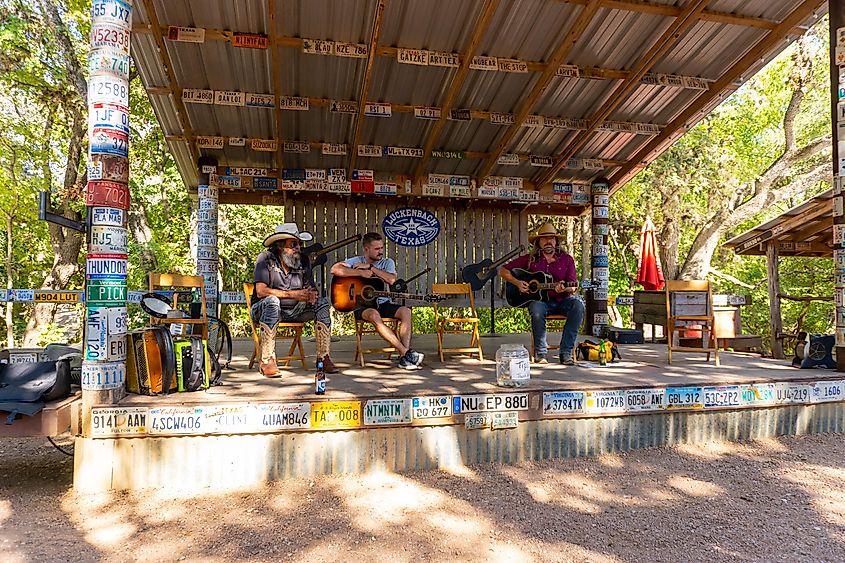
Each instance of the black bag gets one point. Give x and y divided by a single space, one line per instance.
25 388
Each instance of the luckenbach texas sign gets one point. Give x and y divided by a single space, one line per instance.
411 226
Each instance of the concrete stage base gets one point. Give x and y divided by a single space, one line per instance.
192 463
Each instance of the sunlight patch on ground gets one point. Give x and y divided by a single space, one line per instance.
694 487
5 510
611 460
824 487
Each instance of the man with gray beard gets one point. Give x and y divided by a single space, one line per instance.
285 292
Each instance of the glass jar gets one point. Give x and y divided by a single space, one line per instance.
513 368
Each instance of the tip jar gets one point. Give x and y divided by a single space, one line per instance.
513 367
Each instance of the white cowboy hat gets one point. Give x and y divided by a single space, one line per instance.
545 230
285 231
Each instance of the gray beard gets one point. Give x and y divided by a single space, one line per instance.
293 262
548 250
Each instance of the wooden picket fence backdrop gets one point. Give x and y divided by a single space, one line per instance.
467 235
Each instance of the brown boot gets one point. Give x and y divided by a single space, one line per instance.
328 365
268 365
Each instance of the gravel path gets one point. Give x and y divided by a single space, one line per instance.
771 500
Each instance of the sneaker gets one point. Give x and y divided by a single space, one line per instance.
407 364
414 357
540 360
567 360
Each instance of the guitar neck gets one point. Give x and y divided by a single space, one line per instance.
503 259
398 295
341 243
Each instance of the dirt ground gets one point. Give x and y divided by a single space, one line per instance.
771 500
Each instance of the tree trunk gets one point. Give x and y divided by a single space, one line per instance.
670 236
142 234
10 282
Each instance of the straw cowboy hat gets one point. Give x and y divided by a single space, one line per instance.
545 230
286 231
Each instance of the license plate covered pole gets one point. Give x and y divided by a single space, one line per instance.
207 261
107 201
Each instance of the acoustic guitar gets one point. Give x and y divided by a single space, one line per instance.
351 292
316 254
477 275
539 285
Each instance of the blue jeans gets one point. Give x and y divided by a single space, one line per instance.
571 306
269 312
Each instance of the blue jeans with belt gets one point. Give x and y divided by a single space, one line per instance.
572 306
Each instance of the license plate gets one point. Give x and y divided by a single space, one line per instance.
23 357
106 267
108 167
207 254
207 215
56 297
109 141
758 394
502 420
564 402
110 116
228 419
477 421
495 402
108 62
115 12
722 396
792 393
283 416
684 398
108 239
118 421
107 216
110 194
105 295
335 414
639 400
827 391
101 376
110 36
387 411
606 402
108 89
431 407
25 295
174 421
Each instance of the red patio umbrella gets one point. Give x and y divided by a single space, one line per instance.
649 272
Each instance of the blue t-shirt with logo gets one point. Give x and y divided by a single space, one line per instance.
386 264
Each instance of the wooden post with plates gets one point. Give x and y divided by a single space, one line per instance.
596 323
836 9
207 255
107 203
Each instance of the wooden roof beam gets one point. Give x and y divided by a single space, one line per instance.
706 15
678 27
277 79
484 19
365 86
175 91
561 52
696 110
816 229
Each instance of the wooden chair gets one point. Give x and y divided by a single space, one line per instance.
292 331
556 324
363 328
690 301
170 282
445 324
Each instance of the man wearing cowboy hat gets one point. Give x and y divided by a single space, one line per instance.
285 291
547 257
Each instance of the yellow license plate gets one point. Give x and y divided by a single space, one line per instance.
336 414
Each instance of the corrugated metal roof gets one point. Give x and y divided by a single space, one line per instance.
804 230
527 30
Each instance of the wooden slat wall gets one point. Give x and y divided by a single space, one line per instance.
467 236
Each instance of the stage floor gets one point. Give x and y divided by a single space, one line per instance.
642 365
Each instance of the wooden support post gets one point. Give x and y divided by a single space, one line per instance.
775 320
837 21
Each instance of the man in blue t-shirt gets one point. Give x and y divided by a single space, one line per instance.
373 264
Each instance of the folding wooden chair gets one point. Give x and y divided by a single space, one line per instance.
446 324
363 328
170 282
554 323
690 301
284 331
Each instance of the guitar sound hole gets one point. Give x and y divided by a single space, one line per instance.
367 293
